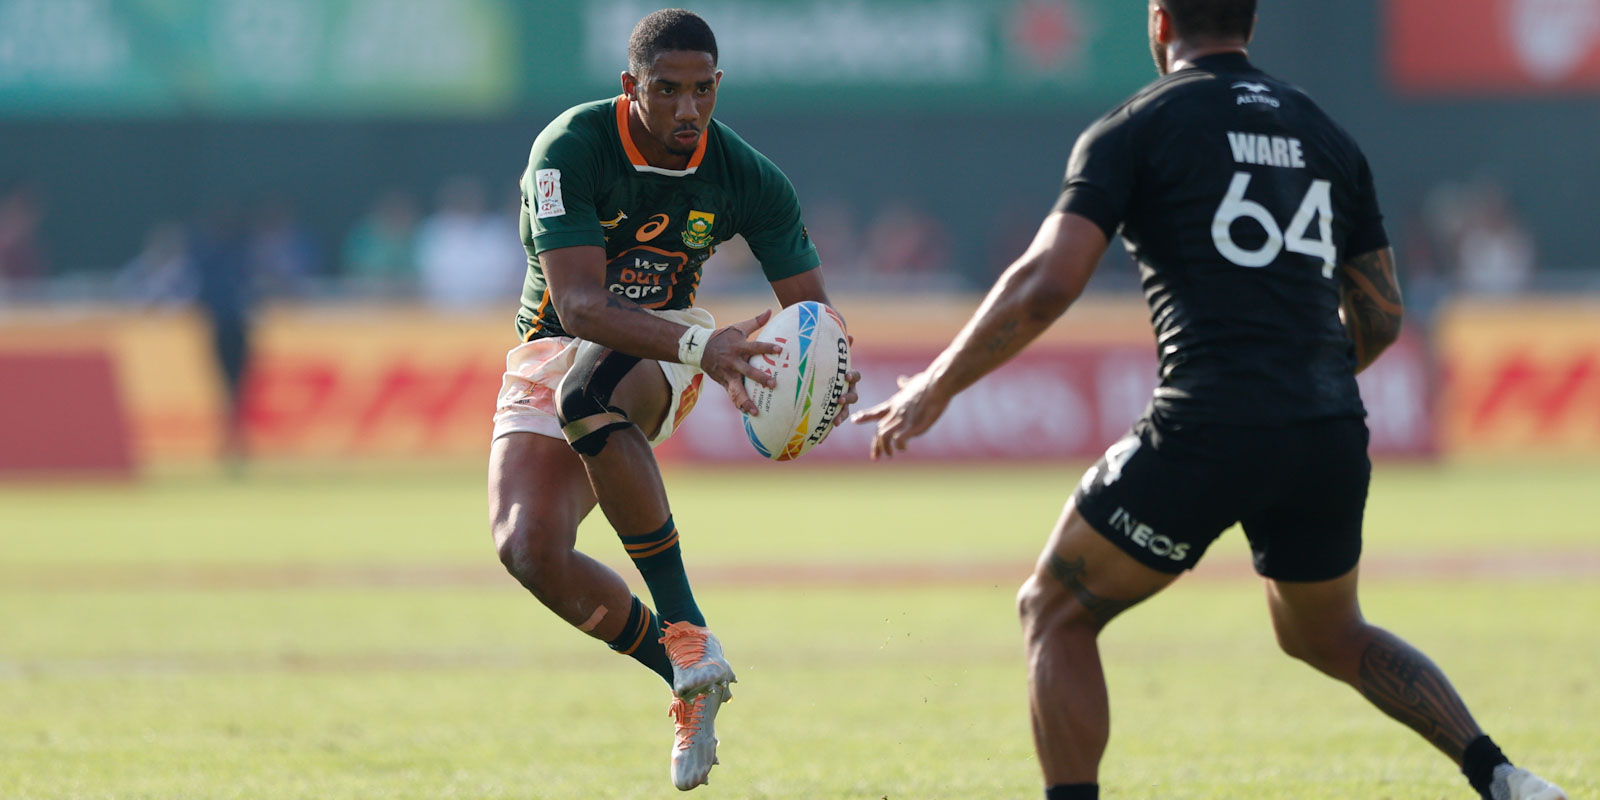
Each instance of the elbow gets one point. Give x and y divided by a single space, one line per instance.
580 317
1049 292
1388 333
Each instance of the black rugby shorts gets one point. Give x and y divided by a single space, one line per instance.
1168 489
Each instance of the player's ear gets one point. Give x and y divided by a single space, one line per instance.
719 78
1163 25
630 86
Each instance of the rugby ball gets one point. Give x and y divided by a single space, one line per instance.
797 414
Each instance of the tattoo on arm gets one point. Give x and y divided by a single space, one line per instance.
1002 338
1401 681
1371 302
1071 575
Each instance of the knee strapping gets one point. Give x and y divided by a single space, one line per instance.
584 397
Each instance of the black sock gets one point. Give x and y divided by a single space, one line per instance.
1072 791
641 638
660 562
1478 763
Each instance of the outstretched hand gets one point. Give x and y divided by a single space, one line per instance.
908 414
727 359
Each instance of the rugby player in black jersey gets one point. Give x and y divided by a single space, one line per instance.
1271 283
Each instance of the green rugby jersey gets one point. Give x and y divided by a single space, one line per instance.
587 184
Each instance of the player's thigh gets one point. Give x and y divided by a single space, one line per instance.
1083 577
538 489
1306 615
1166 491
644 395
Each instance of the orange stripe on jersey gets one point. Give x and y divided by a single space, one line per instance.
538 316
637 158
634 156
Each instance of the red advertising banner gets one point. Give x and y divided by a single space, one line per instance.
1052 402
1465 47
61 414
1521 380
340 385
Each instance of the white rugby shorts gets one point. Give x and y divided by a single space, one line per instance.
527 402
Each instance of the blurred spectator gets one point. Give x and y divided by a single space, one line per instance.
831 226
22 262
467 256
223 264
286 258
1488 248
162 272
904 247
1495 255
380 252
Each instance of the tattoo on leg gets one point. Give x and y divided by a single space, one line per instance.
1071 574
1401 681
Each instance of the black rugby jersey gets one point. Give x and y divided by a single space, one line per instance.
1237 196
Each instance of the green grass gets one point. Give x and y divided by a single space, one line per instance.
183 686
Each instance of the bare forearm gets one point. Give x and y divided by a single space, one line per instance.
623 326
1021 306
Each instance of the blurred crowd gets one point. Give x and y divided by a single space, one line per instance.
464 251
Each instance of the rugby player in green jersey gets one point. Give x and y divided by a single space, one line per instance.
623 201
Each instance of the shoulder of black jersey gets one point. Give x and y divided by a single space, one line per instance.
1160 92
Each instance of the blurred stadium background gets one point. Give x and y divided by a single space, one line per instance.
338 179
352 164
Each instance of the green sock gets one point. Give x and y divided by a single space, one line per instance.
660 561
641 639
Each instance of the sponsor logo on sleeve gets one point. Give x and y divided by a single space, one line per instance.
547 186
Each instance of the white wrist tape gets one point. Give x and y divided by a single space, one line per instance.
692 345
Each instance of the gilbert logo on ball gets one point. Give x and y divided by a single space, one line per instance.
799 412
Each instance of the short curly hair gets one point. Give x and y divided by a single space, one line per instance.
668 29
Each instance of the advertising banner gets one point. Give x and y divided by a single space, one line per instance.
1521 380
349 383
473 57
1052 402
255 57
875 54
1494 47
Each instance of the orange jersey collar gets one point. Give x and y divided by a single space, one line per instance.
637 159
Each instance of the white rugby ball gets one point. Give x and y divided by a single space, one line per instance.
797 414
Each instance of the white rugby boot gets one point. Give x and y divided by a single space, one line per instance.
1521 784
694 742
697 661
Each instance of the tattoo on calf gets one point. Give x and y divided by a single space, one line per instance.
1071 574
1401 681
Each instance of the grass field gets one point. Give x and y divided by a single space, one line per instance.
326 634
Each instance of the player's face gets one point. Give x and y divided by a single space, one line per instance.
676 96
